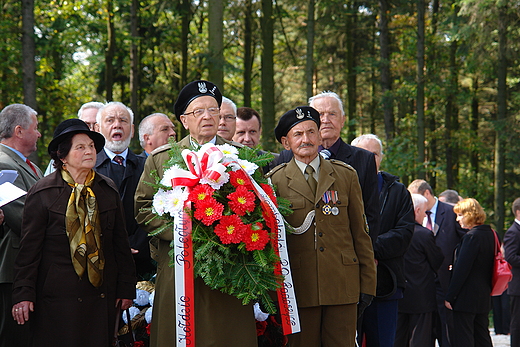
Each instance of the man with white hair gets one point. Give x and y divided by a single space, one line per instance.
418 306
332 118
118 162
379 321
227 119
154 131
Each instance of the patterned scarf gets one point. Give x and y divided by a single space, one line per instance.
83 229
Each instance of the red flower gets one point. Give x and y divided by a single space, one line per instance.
242 201
260 327
148 327
208 211
239 178
256 238
138 344
269 191
230 229
200 193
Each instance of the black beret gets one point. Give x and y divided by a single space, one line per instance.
293 117
193 90
75 126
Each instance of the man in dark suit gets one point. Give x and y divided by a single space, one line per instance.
418 305
448 232
379 322
18 137
332 118
331 258
118 162
512 255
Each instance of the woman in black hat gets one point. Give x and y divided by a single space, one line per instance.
74 266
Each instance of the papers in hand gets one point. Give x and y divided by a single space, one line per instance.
8 176
9 192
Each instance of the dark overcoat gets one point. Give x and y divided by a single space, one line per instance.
220 319
69 311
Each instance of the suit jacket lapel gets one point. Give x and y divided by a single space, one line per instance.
20 162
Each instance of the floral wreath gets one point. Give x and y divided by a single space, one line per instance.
233 230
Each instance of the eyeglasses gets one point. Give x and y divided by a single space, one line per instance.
199 112
227 118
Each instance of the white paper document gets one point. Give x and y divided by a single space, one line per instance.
9 192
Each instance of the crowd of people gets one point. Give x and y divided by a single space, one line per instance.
373 262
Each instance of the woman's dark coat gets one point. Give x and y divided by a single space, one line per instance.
69 311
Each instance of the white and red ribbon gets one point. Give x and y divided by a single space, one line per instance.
286 296
184 278
207 166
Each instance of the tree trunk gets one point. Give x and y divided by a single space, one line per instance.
248 54
351 69
386 79
134 61
110 52
474 119
500 162
28 53
452 122
420 90
268 103
309 64
216 45
185 31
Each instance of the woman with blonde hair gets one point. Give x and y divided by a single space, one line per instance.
469 292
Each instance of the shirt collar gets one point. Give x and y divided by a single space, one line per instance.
315 163
111 155
197 145
24 158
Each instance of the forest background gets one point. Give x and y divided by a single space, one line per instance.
437 81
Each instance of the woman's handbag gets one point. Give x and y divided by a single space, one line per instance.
128 339
501 271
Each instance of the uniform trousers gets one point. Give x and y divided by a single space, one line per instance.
326 326
414 330
380 322
470 330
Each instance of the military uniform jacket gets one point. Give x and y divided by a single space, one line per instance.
220 319
333 261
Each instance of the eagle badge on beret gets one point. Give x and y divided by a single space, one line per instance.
202 88
299 113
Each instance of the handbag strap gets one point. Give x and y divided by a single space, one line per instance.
497 242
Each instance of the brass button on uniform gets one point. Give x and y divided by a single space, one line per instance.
322 249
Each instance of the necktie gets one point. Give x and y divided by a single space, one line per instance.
309 170
119 159
31 166
429 224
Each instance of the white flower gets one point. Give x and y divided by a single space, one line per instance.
223 179
159 202
141 297
168 175
229 151
249 167
148 315
175 201
151 298
134 311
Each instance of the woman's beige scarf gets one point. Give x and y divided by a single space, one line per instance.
83 229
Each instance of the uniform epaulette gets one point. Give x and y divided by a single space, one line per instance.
161 148
342 163
275 169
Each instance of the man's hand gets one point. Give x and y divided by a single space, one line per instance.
364 301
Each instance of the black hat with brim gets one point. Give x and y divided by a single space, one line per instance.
193 90
72 127
293 117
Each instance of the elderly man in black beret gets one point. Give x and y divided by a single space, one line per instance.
331 253
220 319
